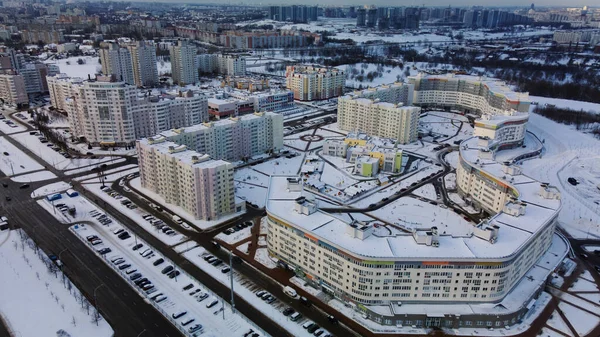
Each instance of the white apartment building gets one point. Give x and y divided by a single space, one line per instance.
375 118
310 83
397 93
12 88
233 139
225 64
143 59
116 61
105 111
504 113
232 65
34 75
203 187
183 63
573 36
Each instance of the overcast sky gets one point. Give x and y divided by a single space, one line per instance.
393 3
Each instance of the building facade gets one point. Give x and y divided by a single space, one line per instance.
143 59
380 119
233 139
116 60
184 69
203 187
309 83
106 111
12 88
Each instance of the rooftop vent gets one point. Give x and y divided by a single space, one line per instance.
359 230
514 208
428 238
549 192
305 206
486 231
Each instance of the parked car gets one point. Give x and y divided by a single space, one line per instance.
176 315
212 303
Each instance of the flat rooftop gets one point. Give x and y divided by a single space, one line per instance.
182 154
220 123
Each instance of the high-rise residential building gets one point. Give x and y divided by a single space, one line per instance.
106 111
361 17
376 118
315 83
294 13
116 60
371 17
232 65
233 139
183 63
35 74
143 59
203 187
12 88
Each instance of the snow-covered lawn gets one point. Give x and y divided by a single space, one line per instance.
262 256
281 165
250 176
244 247
450 181
201 224
234 237
426 191
60 186
54 158
252 194
582 321
558 323
583 285
15 161
564 145
452 158
262 240
35 302
69 66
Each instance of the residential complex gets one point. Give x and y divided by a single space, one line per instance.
184 69
504 113
311 83
237 103
143 60
376 118
12 88
265 39
116 60
225 64
106 111
293 13
203 187
577 36
233 139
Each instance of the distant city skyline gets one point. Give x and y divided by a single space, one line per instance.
389 3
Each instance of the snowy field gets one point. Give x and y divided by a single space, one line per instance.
566 103
35 302
426 191
14 161
582 321
60 186
281 165
564 145
72 68
177 300
233 238
35 176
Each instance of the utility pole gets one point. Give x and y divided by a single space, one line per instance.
231 280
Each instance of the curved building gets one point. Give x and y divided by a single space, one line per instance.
503 112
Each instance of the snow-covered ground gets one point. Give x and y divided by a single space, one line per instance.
582 321
8 129
35 301
426 191
563 145
72 68
566 103
234 237
60 186
450 181
34 176
14 161
281 166
583 285
262 256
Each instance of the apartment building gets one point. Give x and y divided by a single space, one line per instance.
233 139
143 59
575 36
203 187
380 119
267 39
116 61
224 64
107 111
309 83
504 113
184 69
46 36
34 75
12 88
396 93
361 149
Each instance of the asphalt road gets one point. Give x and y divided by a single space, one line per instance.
123 308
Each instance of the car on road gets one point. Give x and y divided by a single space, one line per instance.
24 186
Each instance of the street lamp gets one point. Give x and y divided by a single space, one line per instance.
62 251
141 333
96 303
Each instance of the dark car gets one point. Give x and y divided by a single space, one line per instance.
572 181
188 287
167 269
135 276
24 186
104 251
138 246
157 262
287 311
174 274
